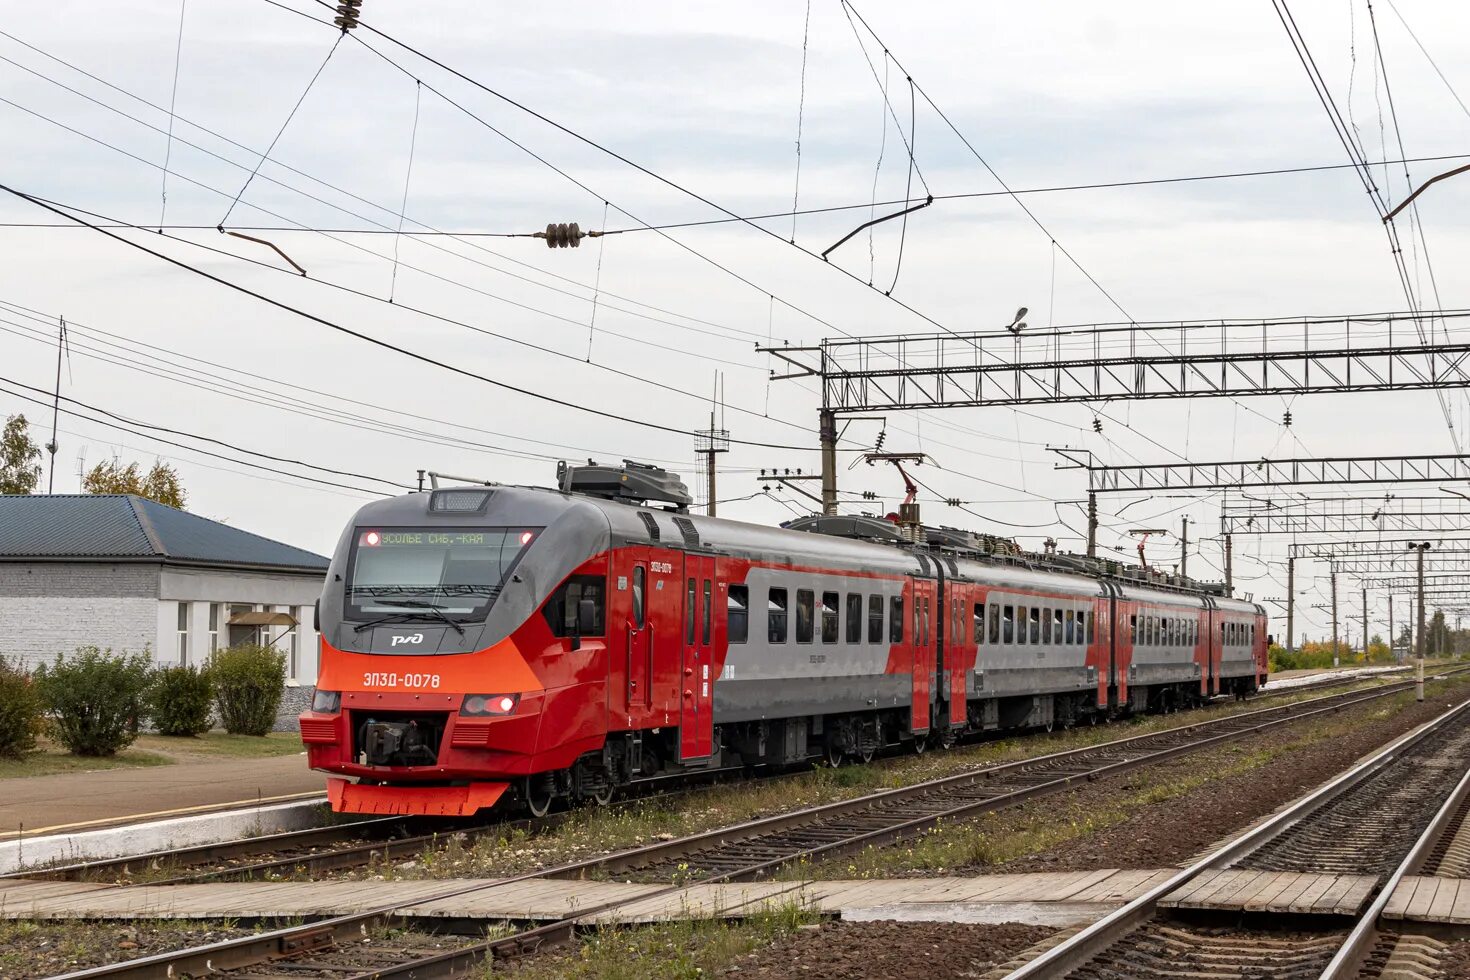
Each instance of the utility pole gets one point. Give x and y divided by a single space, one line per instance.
1183 547
1335 659
53 445
1419 550
1365 626
1230 571
827 432
710 444
1091 524
1392 637
1290 603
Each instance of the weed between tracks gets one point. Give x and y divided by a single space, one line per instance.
593 832
1039 827
684 950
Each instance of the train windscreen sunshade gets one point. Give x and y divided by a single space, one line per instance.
457 573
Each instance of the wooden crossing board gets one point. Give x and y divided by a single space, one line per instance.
1430 899
1234 889
546 899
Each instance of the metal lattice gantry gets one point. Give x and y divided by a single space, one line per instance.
1373 549
1248 473
1425 516
1433 582
1399 564
1098 362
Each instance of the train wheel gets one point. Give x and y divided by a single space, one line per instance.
921 743
832 755
603 795
540 793
866 752
946 739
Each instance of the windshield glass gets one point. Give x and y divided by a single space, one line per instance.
428 572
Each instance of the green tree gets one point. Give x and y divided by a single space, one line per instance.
161 483
19 469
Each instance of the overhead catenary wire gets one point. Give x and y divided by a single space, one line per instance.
800 117
205 452
871 205
153 427
156 363
413 139
332 236
426 231
60 208
378 342
625 160
173 99
281 132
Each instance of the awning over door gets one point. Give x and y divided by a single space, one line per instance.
262 619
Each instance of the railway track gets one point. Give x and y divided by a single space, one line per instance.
1402 811
340 847
363 945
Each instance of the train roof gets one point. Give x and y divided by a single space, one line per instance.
857 543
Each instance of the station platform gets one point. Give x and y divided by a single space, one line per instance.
72 801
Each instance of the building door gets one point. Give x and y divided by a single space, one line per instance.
696 725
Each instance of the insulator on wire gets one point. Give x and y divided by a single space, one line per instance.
870 495
1096 424
878 445
952 501
562 235
347 12
1286 418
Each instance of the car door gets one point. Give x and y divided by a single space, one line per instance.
696 724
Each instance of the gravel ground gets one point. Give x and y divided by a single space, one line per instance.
42 949
1455 964
884 950
1168 833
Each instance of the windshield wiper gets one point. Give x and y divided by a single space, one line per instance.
418 610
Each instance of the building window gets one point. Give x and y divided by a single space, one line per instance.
183 633
293 638
213 627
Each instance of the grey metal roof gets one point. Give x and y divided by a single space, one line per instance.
84 526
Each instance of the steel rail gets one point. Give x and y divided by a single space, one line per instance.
202 853
296 940
1079 949
1359 942
357 854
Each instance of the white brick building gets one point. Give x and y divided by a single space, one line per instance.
126 573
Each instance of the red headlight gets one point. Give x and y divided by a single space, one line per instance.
489 704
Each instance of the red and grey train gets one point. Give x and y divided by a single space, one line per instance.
561 643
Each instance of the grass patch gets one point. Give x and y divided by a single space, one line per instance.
998 837
50 759
221 745
684 950
591 832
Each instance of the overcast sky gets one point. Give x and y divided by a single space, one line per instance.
708 96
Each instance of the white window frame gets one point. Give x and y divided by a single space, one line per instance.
182 631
